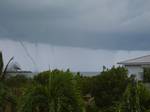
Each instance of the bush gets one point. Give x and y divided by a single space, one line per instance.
42 78
136 98
109 88
55 91
17 81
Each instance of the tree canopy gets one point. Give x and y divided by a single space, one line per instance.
56 93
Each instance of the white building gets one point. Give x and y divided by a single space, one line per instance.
15 69
136 66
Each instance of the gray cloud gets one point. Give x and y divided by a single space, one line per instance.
96 24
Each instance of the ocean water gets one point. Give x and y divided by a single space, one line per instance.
89 73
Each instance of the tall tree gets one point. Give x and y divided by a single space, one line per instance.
2 69
6 98
1 64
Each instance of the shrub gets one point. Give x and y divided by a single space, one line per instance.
109 88
57 92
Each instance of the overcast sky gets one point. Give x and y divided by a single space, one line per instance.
79 34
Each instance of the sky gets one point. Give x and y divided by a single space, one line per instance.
82 35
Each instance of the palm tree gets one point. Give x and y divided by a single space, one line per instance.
60 94
35 99
6 99
2 69
1 64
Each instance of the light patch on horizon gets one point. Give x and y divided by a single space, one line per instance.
76 59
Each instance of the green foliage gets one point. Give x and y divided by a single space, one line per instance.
34 99
57 94
92 108
42 78
146 75
147 110
85 84
62 91
6 98
131 101
136 98
2 69
109 88
17 84
17 81
144 97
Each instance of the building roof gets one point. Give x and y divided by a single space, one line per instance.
144 60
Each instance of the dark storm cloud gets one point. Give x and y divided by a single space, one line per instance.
103 24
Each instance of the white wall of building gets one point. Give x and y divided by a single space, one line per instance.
135 70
